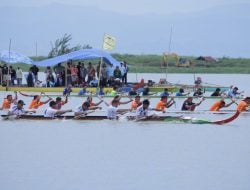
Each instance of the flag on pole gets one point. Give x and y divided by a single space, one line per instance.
108 42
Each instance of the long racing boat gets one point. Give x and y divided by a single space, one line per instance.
181 119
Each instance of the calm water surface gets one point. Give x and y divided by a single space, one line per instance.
121 155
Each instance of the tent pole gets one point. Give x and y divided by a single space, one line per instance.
7 81
100 71
66 75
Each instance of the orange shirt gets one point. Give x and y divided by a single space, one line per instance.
216 106
134 105
6 104
242 106
161 105
35 104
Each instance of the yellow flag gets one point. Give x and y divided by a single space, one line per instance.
108 42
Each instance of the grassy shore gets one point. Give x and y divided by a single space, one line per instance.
154 64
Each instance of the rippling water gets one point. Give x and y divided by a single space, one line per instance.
127 155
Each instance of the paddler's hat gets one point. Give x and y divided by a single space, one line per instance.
21 102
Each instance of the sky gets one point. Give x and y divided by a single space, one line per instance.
132 6
224 33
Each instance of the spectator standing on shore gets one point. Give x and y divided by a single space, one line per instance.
34 69
30 79
19 76
91 72
12 75
83 73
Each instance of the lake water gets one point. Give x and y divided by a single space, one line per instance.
121 155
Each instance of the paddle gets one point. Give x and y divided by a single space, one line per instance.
83 114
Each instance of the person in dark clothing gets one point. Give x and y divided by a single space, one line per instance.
30 81
189 105
217 92
34 69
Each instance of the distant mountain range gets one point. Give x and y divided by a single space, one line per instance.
219 31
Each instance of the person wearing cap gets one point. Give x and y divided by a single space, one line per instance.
52 112
8 101
60 102
164 103
136 103
84 108
220 104
189 105
18 109
244 104
143 110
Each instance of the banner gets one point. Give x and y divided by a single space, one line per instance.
108 42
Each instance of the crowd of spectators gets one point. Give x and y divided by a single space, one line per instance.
75 74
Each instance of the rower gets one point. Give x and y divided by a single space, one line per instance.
143 110
217 92
90 101
181 92
243 105
189 105
82 110
52 112
8 101
36 103
198 92
233 92
60 102
118 98
136 103
67 90
220 104
112 110
18 109
164 103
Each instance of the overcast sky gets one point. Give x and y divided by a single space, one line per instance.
133 6
200 27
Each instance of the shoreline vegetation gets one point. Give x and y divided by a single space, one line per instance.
156 64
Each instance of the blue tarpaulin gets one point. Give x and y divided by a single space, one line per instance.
14 57
79 55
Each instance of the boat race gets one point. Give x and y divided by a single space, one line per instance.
124 95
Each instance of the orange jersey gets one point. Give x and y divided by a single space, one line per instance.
134 105
216 106
242 106
6 104
35 104
161 105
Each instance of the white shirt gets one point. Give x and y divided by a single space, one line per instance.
112 112
15 111
142 112
19 73
80 110
50 112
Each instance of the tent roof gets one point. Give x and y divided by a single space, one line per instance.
80 54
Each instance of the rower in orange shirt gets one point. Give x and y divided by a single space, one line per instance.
91 103
164 103
220 104
243 105
136 103
36 103
8 101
